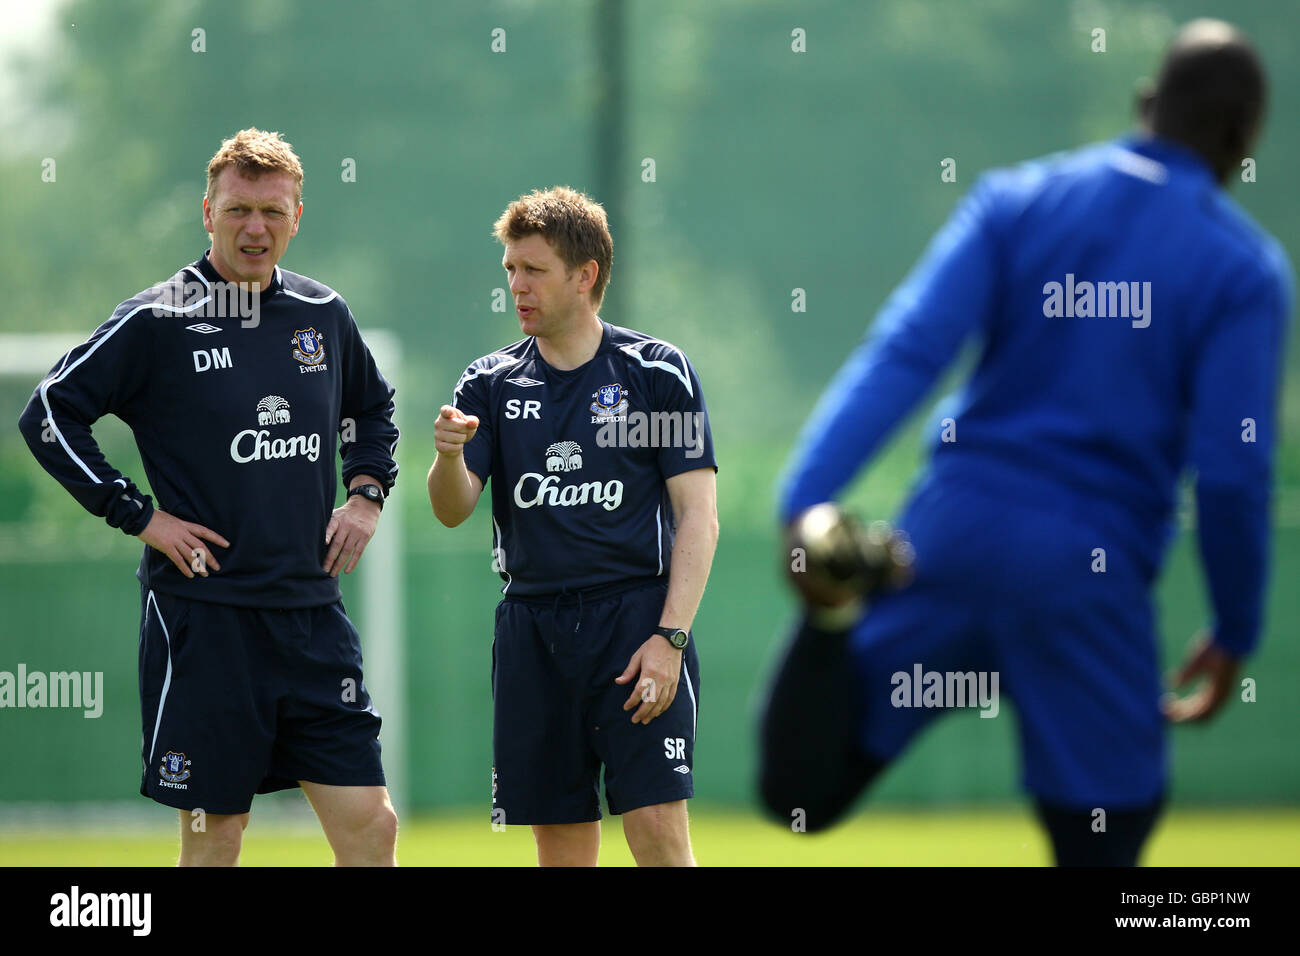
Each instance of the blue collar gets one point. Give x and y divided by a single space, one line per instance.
1165 151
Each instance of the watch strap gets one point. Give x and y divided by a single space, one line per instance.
668 632
370 491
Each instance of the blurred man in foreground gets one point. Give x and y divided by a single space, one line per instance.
1131 320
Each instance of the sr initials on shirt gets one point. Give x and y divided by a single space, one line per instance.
523 408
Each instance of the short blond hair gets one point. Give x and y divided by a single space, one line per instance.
254 153
572 223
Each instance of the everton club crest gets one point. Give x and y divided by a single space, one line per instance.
610 404
175 767
309 349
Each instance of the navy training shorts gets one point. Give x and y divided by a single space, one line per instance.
559 715
236 701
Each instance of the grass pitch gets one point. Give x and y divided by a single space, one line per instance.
721 838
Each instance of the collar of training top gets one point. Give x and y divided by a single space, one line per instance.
567 373
205 266
1168 152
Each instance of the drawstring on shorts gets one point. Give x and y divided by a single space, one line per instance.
555 610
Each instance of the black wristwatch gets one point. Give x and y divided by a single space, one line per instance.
373 492
676 636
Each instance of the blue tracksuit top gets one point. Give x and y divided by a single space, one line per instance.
1130 320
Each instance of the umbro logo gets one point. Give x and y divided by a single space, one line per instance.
203 327
524 382
682 769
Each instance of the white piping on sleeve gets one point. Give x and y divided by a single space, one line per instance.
61 375
468 374
633 351
317 301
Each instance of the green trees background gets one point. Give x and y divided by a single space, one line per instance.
773 171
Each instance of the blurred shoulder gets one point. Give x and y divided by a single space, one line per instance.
1019 184
1257 256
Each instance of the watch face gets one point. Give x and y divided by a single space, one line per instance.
678 639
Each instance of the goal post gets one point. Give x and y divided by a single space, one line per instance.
383 600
